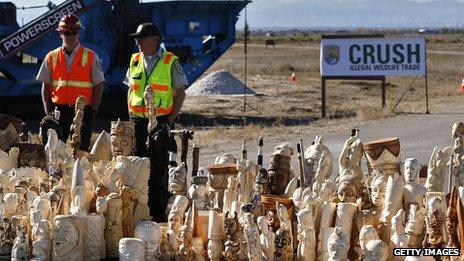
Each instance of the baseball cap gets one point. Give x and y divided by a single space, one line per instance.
144 30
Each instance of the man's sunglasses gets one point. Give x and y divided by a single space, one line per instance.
68 33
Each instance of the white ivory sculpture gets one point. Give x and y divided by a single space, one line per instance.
21 249
198 249
177 184
230 194
376 250
136 174
127 195
323 244
318 164
173 235
199 193
101 149
344 220
243 188
67 238
41 245
215 235
415 225
384 156
350 157
113 224
251 232
9 160
414 192
267 239
378 189
93 237
399 237
436 170
150 233
338 245
30 174
10 204
306 234
57 153
458 148
76 125
225 158
366 234
131 249
78 192
148 96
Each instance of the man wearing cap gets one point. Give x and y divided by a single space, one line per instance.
155 68
161 70
68 72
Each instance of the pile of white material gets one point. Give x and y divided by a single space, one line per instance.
218 83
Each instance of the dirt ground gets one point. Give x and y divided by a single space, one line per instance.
288 110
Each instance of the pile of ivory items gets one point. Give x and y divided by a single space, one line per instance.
59 203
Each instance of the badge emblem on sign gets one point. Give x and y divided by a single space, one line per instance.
331 54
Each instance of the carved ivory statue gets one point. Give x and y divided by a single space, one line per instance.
113 224
283 245
338 245
280 172
452 220
21 249
376 250
79 202
122 137
232 244
366 234
415 225
215 235
306 234
198 249
131 249
251 232
41 245
383 155
378 190
177 184
150 233
435 220
199 193
399 237
244 189
173 235
350 157
67 239
76 125
318 164
414 192
267 239
230 194
458 148
9 160
436 170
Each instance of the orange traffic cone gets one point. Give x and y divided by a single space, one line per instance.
293 77
462 86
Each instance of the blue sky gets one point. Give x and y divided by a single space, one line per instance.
329 13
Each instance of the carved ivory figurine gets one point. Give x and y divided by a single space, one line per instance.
21 249
318 164
458 148
378 189
415 225
41 245
437 169
267 239
131 249
174 223
67 238
414 192
199 193
338 245
76 125
122 137
366 234
150 233
113 224
452 221
435 220
280 172
306 234
177 184
399 237
214 235
383 155
350 157
376 250
251 232
198 249
232 244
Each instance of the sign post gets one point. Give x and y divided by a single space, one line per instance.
371 57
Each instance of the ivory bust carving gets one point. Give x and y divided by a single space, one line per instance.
338 245
306 235
399 237
150 233
67 240
376 250
267 239
414 192
366 234
350 157
437 169
131 249
318 164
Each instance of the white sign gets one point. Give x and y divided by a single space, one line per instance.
373 57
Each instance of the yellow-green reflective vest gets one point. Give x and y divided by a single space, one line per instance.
160 81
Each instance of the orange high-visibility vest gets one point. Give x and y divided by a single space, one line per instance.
67 86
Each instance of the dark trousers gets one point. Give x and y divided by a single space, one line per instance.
66 118
158 194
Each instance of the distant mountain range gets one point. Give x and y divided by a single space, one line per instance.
264 14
